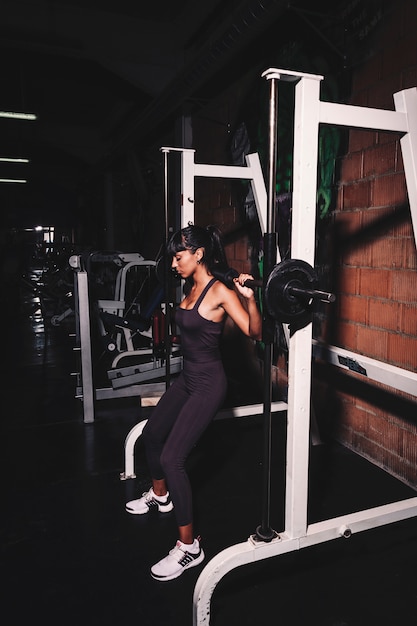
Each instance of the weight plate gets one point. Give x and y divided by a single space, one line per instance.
281 303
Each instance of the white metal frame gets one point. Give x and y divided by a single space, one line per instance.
310 112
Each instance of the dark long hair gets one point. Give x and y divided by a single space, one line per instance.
192 237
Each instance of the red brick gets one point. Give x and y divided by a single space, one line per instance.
402 351
360 139
387 252
357 255
367 448
379 220
345 335
402 227
410 254
384 137
382 433
404 285
374 282
348 280
389 190
379 159
399 167
372 343
384 314
408 321
406 426
410 450
357 195
351 167
347 223
352 308
357 419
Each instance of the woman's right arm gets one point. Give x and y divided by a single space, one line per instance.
248 318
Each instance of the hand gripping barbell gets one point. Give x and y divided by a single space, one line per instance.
290 289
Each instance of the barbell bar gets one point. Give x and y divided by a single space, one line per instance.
290 289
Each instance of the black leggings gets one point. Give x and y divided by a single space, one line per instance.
178 421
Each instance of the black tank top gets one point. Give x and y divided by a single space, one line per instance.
200 337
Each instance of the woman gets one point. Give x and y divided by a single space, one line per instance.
192 401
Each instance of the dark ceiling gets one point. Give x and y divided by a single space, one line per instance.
105 75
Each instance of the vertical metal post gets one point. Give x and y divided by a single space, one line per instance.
167 338
187 187
306 128
85 347
264 531
406 101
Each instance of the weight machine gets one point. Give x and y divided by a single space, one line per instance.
127 381
310 112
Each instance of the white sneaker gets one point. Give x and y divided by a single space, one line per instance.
150 501
179 559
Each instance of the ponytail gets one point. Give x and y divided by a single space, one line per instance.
218 256
192 237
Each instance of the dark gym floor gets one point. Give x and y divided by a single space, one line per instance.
70 554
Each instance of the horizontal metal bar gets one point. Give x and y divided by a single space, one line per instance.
151 389
385 373
362 117
249 409
223 171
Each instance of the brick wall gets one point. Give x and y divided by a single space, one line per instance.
374 264
373 267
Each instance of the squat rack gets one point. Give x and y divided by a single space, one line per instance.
309 113
190 170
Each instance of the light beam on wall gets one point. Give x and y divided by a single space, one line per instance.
13 115
13 180
13 160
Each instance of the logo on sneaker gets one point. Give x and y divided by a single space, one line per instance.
188 558
149 502
178 560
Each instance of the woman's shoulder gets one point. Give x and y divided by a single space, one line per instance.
221 292
218 286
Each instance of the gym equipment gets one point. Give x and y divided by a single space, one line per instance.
290 290
297 534
125 382
121 303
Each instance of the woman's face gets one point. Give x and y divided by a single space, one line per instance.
184 263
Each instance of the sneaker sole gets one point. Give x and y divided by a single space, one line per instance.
193 563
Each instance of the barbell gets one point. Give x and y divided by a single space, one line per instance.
290 289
